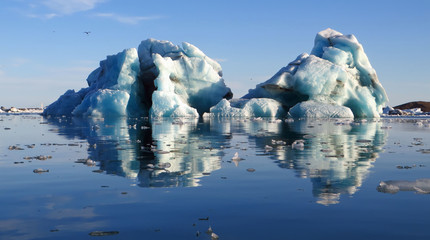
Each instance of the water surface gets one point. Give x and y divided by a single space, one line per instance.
173 179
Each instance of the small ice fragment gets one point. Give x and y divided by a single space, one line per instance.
40 170
214 236
419 124
90 162
268 148
298 145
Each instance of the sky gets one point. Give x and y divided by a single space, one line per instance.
45 51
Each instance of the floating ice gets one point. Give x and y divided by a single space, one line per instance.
159 79
313 109
256 107
419 186
336 76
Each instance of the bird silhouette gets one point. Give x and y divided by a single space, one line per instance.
88 33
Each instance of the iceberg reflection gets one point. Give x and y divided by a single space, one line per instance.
335 155
158 154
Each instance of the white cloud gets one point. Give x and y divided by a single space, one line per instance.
71 6
126 19
48 9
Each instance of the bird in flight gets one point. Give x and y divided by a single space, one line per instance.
88 33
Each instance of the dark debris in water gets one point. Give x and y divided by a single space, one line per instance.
425 151
103 233
40 157
15 148
409 167
40 170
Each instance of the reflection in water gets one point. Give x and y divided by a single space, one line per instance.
161 154
336 156
421 186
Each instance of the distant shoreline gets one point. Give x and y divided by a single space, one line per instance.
425 106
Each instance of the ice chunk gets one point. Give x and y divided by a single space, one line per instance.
337 73
159 79
313 109
256 107
421 186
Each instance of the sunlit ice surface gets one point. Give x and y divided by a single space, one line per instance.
237 178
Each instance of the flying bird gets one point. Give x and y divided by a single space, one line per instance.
88 33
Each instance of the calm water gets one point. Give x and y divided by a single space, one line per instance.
132 179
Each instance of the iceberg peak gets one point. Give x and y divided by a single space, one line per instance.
336 74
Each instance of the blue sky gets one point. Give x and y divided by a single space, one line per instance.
44 50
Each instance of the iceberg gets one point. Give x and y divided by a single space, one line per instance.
159 79
335 77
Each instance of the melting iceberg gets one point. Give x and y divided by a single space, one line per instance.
159 79
335 80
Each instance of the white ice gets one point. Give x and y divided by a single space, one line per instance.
256 107
313 109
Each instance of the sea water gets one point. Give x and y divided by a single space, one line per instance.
122 178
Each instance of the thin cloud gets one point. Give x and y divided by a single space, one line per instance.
48 9
71 6
126 19
42 16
